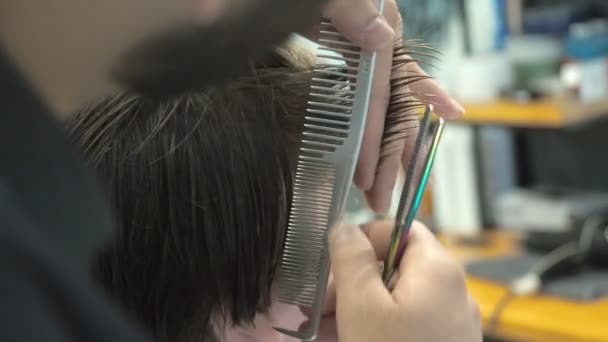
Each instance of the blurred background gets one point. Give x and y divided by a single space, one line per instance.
520 186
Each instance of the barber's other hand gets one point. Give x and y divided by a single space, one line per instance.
429 302
363 24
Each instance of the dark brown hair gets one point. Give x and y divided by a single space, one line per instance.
201 184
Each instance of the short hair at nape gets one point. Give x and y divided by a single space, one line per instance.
201 184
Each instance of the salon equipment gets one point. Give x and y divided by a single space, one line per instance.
417 176
571 282
333 129
547 210
554 218
581 255
574 270
569 308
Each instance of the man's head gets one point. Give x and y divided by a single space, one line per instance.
73 51
201 184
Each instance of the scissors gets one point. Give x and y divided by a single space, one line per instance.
417 177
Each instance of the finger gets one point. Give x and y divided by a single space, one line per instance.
394 154
372 136
330 297
379 235
429 91
369 154
379 197
354 265
361 22
426 262
421 244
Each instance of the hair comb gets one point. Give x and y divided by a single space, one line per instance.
333 129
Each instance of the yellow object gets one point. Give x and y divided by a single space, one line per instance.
556 112
531 318
538 114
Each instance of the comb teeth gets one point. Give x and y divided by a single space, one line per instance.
305 240
327 126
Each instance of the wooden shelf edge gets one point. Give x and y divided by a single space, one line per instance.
550 113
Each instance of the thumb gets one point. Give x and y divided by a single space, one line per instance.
354 265
361 22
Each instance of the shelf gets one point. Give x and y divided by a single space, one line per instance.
526 318
551 113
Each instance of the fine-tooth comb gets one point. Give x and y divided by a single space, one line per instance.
335 120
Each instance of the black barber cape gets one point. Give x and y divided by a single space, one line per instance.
52 221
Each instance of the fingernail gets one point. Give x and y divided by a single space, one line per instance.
364 180
365 183
459 108
365 229
377 35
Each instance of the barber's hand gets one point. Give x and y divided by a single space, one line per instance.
429 301
360 21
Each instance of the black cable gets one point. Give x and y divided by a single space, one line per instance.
502 304
532 280
574 252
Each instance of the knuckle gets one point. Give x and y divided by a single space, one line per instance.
447 269
369 303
